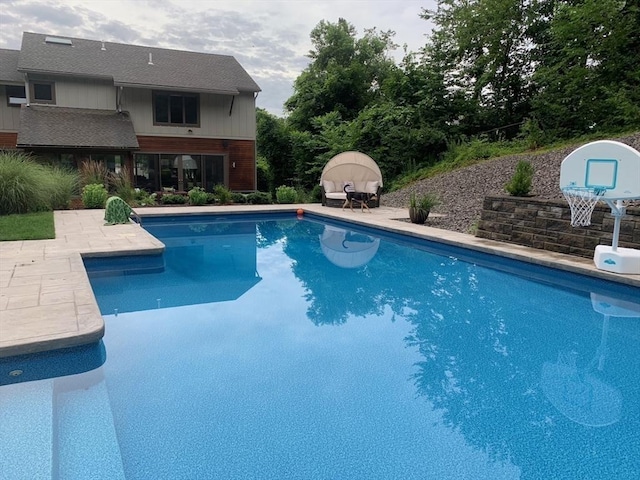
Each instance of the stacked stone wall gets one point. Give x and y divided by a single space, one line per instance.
546 224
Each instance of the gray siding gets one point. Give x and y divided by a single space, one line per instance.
9 116
82 92
215 121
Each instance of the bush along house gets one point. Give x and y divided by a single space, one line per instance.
176 119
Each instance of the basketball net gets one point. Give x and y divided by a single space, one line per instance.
582 202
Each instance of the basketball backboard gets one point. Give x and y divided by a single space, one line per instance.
607 166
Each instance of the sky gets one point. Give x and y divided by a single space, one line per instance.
269 38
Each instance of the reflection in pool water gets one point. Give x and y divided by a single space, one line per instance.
422 362
346 248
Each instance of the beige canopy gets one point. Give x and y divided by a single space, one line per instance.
351 166
355 168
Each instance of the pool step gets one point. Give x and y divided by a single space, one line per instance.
87 444
26 434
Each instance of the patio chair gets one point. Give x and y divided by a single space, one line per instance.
350 167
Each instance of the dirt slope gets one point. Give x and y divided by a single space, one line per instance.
462 191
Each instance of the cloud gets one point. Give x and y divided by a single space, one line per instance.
270 39
46 13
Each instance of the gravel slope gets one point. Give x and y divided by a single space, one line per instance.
462 191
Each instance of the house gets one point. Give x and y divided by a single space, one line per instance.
177 119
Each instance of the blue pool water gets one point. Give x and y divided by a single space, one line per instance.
278 348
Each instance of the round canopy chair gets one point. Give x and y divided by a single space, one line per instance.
356 168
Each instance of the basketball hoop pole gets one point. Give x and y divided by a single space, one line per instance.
617 211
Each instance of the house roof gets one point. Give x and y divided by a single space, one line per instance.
135 66
9 67
50 126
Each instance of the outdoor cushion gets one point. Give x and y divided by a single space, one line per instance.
372 187
329 186
337 195
361 186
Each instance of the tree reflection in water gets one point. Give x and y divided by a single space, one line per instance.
484 337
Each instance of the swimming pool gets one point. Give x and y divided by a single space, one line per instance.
271 347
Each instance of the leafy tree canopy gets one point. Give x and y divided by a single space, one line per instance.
344 75
548 69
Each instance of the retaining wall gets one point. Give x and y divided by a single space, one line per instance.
546 224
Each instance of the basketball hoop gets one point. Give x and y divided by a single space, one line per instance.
582 201
608 171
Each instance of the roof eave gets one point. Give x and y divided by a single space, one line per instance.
77 147
63 74
177 88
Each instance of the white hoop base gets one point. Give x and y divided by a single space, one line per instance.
621 260
582 202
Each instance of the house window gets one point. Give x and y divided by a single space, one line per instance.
180 172
145 171
16 95
176 109
43 92
115 163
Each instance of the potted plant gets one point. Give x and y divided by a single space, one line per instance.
419 207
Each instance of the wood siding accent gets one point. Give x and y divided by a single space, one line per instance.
8 140
243 176
241 152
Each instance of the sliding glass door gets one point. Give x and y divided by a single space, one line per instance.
182 172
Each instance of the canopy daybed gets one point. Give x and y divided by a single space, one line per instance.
350 167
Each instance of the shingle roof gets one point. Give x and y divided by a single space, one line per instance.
9 66
50 126
128 65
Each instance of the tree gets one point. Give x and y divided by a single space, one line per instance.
589 73
274 146
484 49
344 75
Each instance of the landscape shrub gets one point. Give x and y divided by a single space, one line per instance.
173 199
94 195
285 194
25 186
520 183
239 198
316 194
120 184
197 196
62 185
222 194
142 198
259 198
92 172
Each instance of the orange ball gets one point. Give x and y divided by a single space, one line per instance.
300 211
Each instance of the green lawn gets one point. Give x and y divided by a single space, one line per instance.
27 226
